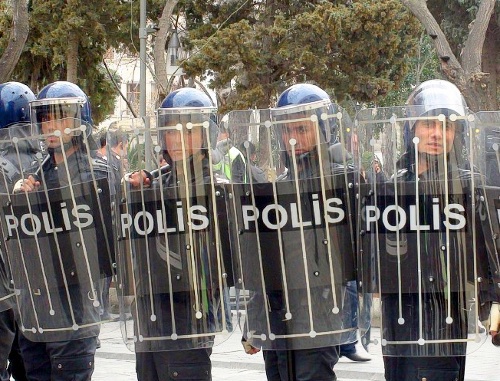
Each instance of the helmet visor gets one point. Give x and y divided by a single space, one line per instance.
63 115
185 132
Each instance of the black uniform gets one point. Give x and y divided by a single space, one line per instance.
54 359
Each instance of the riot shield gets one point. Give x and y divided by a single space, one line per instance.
14 160
487 159
56 237
423 250
292 233
171 273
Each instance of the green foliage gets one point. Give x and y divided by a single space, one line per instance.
359 50
421 67
97 25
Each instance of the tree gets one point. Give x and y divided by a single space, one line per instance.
68 40
18 35
466 37
355 49
421 67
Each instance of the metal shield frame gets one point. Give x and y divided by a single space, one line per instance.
422 230
171 271
52 236
292 238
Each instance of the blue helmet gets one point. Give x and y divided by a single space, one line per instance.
187 105
307 99
187 97
65 99
300 94
14 103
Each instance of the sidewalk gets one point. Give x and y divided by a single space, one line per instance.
114 361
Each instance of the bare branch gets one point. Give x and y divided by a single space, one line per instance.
472 52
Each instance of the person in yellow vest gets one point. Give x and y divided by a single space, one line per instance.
231 164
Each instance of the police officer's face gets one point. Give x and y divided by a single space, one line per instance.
304 133
51 123
434 136
191 138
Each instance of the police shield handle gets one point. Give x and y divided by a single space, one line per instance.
26 185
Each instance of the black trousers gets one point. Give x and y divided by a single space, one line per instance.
306 364
7 336
430 368
187 364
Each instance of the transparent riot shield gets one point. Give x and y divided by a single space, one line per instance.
292 230
423 249
14 160
171 268
487 159
57 242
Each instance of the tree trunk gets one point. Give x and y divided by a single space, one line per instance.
471 75
17 39
159 48
72 59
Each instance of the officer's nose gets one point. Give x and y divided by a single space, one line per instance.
49 126
437 129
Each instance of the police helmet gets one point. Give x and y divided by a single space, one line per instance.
436 96
433 98
14 103
307 100
63 100
186 108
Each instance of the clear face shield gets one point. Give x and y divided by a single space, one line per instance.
57 120
186 132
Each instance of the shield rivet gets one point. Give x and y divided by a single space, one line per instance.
325 242
59 366
479 279
362 233
350 185
178 277
175 374
188 247
431 279
217 193
316 273
443 247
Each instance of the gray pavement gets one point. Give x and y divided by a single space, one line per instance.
115 362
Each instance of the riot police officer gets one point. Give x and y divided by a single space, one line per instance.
178 304
294 259
426 323
60 343
14 122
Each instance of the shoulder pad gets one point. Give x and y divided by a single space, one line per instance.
99 164
400 174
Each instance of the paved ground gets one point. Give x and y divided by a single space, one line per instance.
115 362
